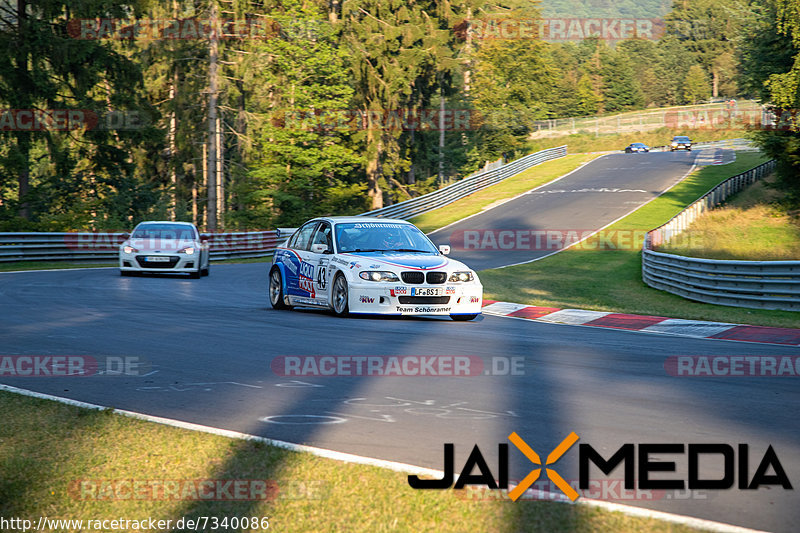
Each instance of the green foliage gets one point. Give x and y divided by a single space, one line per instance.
695 86
771 66
284 160
69 176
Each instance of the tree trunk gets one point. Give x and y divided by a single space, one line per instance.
411 178
220 176
173 125
23 137
441 135
24 173
374 148
714 83
211 167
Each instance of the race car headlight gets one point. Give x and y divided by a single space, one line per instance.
189 250
674 144
464 275
378 275
128 249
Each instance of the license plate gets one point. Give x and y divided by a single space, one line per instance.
157 259
426 291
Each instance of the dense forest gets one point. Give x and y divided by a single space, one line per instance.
247 114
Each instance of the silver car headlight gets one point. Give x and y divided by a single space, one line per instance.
128 249
378 275
189 250
463 275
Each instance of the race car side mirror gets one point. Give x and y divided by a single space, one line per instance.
319 248
444 249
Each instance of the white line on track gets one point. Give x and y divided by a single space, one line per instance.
607 225
55 269
489 208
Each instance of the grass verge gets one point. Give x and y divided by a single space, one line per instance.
66 462
752 226
508 188
610 280
589 142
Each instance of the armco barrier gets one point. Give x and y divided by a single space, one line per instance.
756 284
738 145
465 187
97 246
104 246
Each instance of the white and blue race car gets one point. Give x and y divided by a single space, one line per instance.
371 266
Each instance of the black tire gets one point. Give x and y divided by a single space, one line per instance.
275 291
125 273
205 271
340 296
463 318
196 273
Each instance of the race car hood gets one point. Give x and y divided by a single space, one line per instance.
412 261
161 245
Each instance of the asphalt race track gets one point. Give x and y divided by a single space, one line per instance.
206 348
586 200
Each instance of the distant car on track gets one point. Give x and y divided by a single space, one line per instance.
363 265
636 147
166 247
680 142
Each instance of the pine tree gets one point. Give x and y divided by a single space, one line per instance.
695 86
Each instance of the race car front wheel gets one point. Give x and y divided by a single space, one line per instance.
340 296
460 318
276 290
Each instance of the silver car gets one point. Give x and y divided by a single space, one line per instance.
166 247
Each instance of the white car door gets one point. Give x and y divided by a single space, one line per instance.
321 251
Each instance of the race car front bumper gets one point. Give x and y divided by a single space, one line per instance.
400 299
150 262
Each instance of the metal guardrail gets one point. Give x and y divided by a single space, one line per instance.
755 284
698 117
103 246
739 145
451 193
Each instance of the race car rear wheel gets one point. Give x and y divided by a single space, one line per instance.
461 318
340 296
276 290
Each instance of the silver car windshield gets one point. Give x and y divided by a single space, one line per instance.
164 232
382 237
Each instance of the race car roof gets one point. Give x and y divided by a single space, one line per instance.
339 220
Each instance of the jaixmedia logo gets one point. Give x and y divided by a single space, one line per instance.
735 465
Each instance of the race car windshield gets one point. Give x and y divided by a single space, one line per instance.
382 237
164 231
